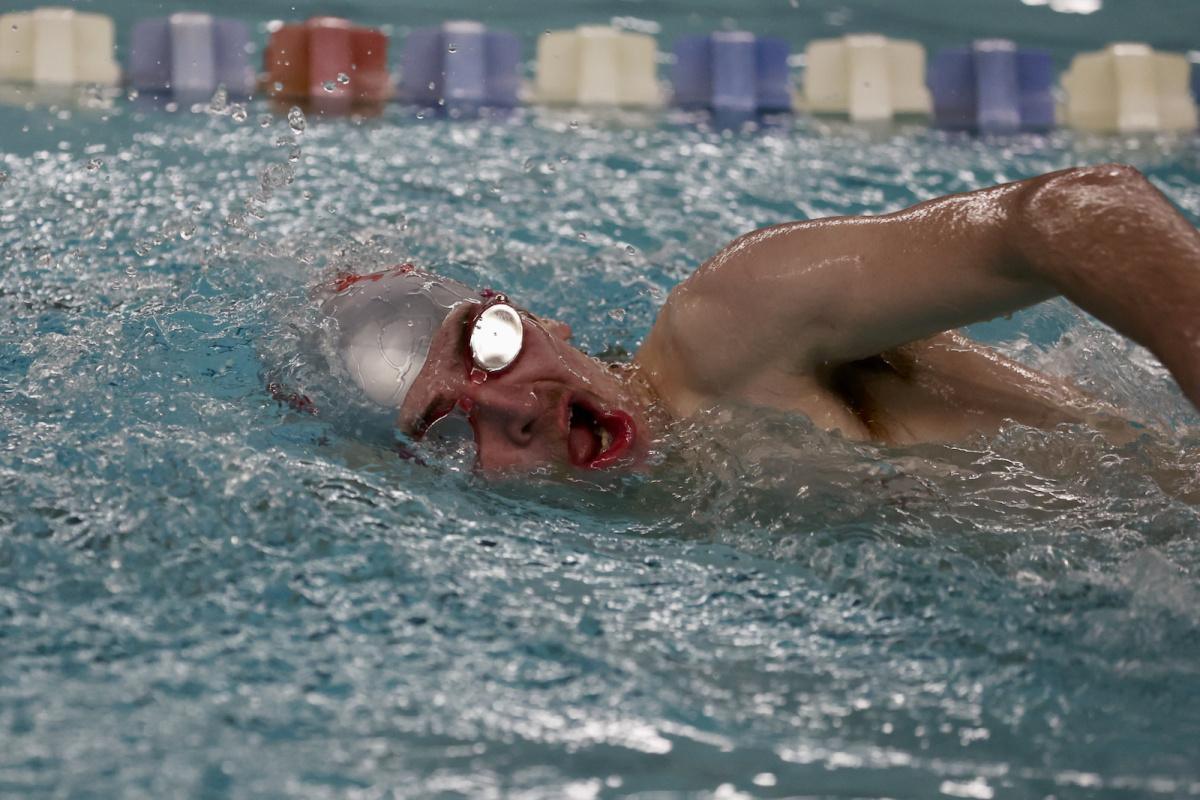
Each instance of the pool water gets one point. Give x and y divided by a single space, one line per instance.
206 591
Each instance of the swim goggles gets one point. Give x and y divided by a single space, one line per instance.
494 342
386 322
497 335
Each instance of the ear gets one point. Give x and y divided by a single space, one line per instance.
559 330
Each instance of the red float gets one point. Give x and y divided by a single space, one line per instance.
327 59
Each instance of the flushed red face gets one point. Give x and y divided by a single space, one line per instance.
552 405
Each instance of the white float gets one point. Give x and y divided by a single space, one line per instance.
1129 88
867 76
57 47
597 65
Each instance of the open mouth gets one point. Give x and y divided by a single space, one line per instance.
596 439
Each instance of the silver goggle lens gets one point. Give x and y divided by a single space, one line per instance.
497 337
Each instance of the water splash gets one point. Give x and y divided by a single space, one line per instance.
274 569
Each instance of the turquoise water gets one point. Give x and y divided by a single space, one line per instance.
205 592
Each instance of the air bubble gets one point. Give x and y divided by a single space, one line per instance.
94 164
343 78
452 48
187 231
630 250
238 112
573 125
296 119
328 86
277 86
264 121
3 177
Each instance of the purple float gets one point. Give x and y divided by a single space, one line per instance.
993 86
190 55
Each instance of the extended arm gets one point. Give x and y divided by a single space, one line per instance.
806 296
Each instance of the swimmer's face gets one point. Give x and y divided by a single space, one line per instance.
552 406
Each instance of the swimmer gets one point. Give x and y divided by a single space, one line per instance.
847 320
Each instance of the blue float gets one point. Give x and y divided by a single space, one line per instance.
992 87
732 71
190 54
461 64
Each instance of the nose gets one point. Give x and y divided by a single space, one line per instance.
500 412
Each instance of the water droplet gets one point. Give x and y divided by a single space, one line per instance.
451 48
219 103
238 112
343 78
328 86
296 119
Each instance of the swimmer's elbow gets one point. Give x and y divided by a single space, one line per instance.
1072 199
1061 217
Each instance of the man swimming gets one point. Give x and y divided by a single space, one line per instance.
845 320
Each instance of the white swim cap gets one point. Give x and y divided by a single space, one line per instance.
386 323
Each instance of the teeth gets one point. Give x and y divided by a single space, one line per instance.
605 439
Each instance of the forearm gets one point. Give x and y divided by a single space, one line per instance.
1110 242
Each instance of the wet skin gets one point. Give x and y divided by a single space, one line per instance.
552 405
849 322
